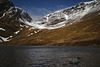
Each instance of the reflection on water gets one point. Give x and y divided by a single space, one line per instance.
49 56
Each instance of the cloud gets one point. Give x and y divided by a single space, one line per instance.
35 17
41 11
37 13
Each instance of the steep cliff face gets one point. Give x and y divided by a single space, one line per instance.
5 5
12 20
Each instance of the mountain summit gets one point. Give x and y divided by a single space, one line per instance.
67 16
5 5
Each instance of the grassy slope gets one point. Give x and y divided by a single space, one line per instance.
82 33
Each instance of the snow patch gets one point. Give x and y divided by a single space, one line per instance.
33 33
66 16
3 15
21 25
30 34
31 28
25 21
17 32
5 39
10 36
2 29
89 2
21 28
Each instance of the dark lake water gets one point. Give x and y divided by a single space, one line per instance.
49 56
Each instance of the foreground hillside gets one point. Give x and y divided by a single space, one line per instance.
83 33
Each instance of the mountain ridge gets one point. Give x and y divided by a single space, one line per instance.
72 14
75 26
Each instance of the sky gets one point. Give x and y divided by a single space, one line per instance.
39 8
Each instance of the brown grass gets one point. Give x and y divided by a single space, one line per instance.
84 33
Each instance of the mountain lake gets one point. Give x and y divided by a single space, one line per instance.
39 56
